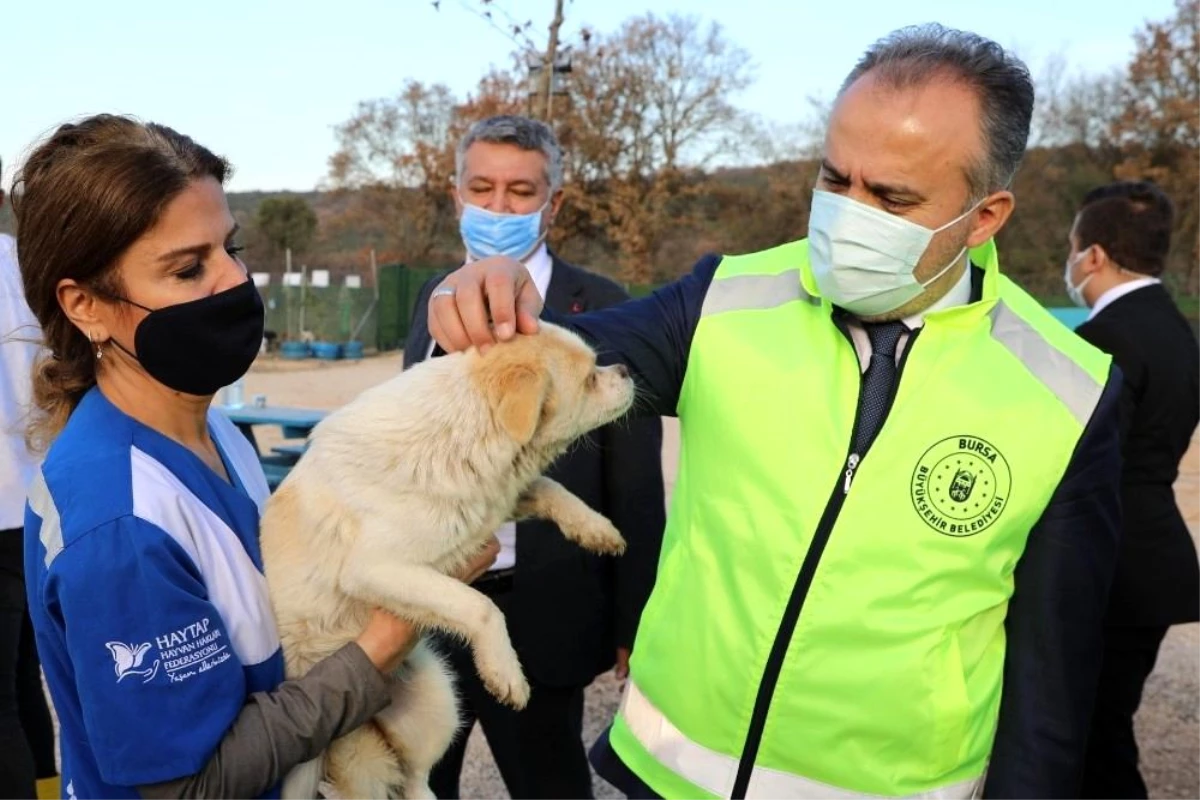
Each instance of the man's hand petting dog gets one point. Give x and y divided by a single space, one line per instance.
484 302
387 639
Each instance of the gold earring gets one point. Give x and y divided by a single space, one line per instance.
99 348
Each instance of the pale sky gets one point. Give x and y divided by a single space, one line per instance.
264 83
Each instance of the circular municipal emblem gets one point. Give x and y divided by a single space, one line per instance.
960 485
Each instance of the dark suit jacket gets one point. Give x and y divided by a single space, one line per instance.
569 609
1158 579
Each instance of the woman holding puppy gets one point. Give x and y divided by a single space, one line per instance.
141 538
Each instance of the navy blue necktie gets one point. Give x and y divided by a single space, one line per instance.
877 381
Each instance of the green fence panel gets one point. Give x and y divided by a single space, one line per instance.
399 286
389 321
329 313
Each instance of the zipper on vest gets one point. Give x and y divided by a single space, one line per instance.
804 579
851 465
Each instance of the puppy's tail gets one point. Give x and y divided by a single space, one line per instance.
303 781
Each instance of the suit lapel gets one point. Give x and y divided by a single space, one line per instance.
416 348
565 295
419 343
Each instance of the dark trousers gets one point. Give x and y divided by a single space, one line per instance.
26 732
538 750
1111 766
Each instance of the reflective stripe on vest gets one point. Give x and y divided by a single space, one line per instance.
1070 382
746 292
715 772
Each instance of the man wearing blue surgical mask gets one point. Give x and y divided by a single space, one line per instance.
894 529
505 200
571 615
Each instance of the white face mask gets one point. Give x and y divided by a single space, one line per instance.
863 258
1075 292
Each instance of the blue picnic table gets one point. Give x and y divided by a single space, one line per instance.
295 423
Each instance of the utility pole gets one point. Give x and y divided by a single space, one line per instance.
550 62
544 67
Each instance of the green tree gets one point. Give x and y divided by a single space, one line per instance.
285 223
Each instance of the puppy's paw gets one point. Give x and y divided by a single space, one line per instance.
418 789
597 534
505 680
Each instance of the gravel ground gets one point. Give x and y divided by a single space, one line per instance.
1168 725
481 779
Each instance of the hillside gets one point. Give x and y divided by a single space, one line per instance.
730 210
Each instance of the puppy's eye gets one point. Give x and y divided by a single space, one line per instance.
591 380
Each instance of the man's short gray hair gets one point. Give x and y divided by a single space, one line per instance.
914 55
525 133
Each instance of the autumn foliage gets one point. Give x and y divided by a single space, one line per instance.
662 166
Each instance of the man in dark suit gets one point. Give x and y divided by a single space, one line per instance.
1119 246
571 615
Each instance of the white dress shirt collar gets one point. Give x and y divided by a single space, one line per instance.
540 267
959 295
1119 291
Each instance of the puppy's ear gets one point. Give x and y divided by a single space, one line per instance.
518 393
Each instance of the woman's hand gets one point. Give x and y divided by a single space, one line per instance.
387 639
480 563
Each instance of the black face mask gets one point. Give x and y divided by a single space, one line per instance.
202 345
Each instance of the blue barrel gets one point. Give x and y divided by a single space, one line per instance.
352 350
294 350
327 351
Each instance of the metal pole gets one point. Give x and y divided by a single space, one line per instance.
303 286
374 302
287 291
551 60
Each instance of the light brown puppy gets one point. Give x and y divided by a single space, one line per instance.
401 487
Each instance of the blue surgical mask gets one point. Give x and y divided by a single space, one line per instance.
488 233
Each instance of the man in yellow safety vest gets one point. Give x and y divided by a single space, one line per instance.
894 530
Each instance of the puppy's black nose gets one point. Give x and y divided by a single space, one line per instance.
622 370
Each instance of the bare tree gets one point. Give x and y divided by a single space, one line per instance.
395 157
650 105
1078 109
773 142
544 61
1159 125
